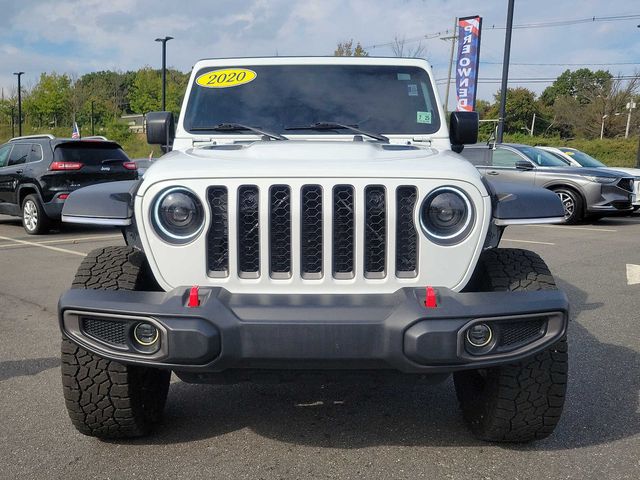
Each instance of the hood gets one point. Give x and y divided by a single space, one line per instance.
308 159
584 171
632 172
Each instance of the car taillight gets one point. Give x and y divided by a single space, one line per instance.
65 166
130 165
63 196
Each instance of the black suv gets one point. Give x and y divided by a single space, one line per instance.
38 172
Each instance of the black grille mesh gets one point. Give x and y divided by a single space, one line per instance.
343 229
248 230
406 234
375 231
626 184
311 230
515 333
107 331
280 229
218 236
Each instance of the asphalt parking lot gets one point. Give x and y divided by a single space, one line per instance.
274 432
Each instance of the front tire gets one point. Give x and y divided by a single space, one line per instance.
34 218
104 398
572 203
522 401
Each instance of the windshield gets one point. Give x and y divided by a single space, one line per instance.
382 99
541 158
582 158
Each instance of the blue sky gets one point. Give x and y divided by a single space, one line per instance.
80 36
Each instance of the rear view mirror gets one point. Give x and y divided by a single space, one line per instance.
161 129
463 129
523 165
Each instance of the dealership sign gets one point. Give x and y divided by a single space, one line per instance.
467 63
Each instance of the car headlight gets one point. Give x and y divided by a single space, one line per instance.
446 216
600 179
178 215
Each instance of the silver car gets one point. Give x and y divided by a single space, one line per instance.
584 191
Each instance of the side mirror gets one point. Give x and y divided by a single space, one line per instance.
524 165
463 128
161 129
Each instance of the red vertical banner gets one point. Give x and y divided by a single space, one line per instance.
467 62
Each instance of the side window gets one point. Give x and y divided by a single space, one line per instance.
4 155
36 153
19 154
505 158
477 156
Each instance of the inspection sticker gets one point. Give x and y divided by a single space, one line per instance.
404 76
424 117
226 77
413 89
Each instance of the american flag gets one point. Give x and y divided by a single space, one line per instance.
75 133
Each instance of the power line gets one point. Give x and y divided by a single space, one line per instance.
442 81
554 23
564 64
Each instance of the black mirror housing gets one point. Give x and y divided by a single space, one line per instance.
523 165
161 129
463 128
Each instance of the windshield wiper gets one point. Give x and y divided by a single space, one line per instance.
337 126
239 127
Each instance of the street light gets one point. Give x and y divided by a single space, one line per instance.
19 74
602 126
164 70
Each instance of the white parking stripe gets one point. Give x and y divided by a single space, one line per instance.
48 247
67 240
575 228
526 241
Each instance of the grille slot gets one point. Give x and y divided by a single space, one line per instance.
515 334
106 331
248 231
311 232
375 232
406 234
626 184
280 231
218 236
343 231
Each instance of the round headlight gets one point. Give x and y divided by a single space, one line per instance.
178 215
446 216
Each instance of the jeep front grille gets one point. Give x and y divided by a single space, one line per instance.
290 225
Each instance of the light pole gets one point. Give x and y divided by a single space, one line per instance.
505 72
19 74
602 126
164 70
630 106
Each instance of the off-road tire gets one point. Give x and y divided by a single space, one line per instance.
523 401
34 217
104 398
570 196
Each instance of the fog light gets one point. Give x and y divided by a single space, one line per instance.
146 334
479 335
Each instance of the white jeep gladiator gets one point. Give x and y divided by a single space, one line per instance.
311 219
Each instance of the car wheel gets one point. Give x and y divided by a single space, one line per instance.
521 401
105 398
34 218
572 204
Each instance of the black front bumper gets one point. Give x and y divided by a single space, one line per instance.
242 331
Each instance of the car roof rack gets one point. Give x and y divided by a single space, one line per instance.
42 135
95 137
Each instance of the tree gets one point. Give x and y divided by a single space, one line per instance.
582 84
346 49
521 105
146 90
48 101
400 48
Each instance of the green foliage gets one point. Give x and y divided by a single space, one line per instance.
346 49
579 84
146 90
48 102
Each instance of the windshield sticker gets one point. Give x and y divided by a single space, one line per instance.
568 153
226 77
413 89
424 117
404 76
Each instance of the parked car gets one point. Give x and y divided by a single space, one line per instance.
38 172
313 221
584 191
576 158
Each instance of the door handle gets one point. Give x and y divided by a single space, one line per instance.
493 172
19 172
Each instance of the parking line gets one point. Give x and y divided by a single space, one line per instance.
67 240
575 228
526 241
48 247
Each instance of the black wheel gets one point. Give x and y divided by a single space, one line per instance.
34 218
104 398
572 203
522 401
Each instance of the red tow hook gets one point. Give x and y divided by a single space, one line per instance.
430 300
194 299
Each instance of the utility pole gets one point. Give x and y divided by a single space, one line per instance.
19 74
630 106
164 70
92 126
453 39
533 124
505 72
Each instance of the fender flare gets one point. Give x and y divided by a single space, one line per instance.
109 203
517 204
